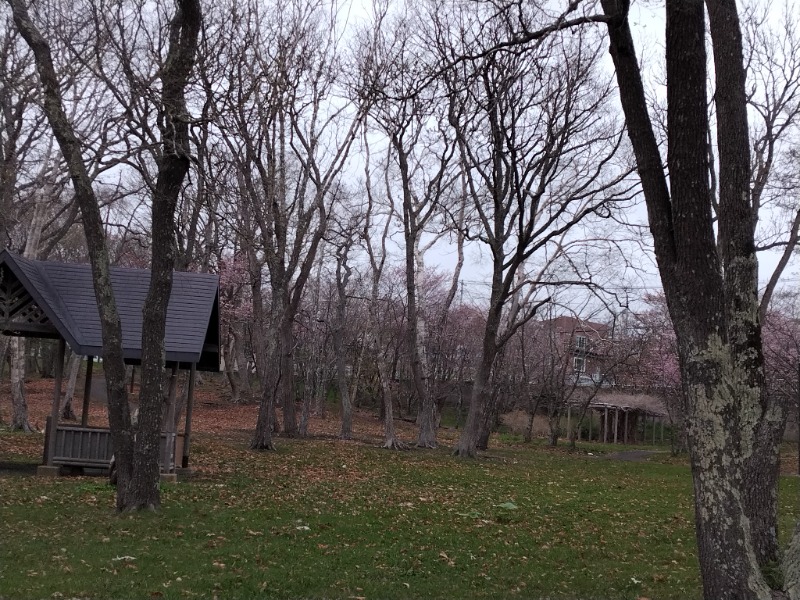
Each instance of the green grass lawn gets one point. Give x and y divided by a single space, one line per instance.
328 519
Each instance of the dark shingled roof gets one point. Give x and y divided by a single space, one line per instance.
65 294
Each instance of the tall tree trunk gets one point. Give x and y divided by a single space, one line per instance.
265 351
426 418
19 405
173 166
239 333
321 391
343 272
760 494
270 378
119 413
346 432
19 417
341 360
286 375
308 396
181 400
467 445
262 437
390 440
230 369
489 419
67 411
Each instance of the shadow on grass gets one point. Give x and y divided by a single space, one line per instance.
21 468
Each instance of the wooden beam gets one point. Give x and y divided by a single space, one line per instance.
51 441
18 328
605 428
616 423
87 391
187 429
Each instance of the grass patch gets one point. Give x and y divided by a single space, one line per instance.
328 519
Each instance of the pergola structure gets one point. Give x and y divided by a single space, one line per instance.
54 300
620 414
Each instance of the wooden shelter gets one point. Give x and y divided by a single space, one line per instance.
55 300
621 416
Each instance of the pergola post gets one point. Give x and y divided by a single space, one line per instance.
616 423
168 462
172 393
51 440
605 427
87 391
187 429
625 433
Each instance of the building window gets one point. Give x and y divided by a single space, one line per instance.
579 364
581 342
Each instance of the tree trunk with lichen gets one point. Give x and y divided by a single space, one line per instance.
709 272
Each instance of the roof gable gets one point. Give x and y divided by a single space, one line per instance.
20 314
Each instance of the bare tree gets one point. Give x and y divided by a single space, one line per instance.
421 152
344 234
377 333
289 132
538 149
772 58
137 464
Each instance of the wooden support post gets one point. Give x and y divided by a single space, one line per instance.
133 376
605 428
172 394
625 433
616 423
87 391
187 429
51 441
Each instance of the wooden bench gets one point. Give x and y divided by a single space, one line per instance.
91 447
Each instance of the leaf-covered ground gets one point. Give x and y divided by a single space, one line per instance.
323 518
